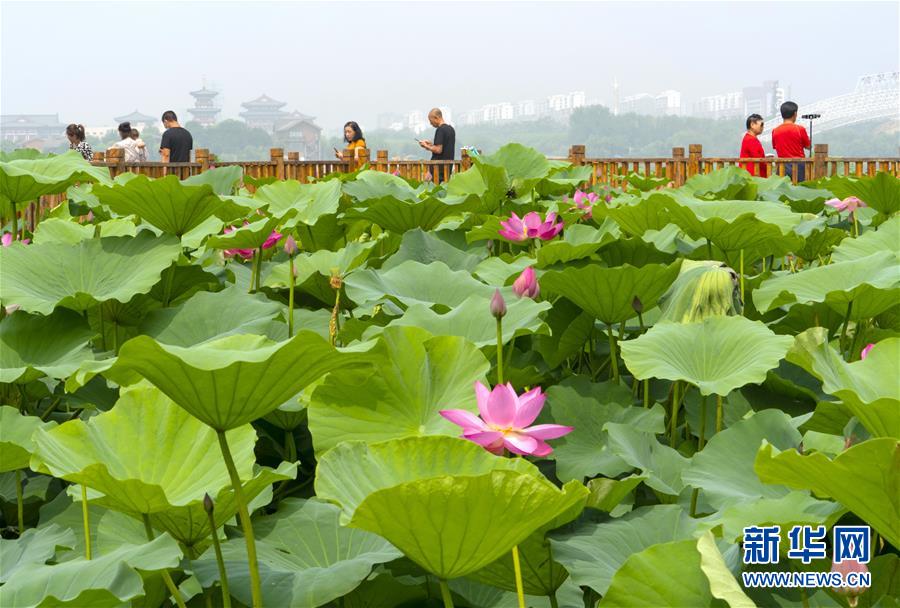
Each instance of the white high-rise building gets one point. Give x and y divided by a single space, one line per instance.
566 101
668 103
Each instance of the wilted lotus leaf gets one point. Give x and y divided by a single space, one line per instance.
470 507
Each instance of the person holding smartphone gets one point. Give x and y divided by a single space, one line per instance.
353 139
444 145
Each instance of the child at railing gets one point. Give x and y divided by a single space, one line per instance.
751 148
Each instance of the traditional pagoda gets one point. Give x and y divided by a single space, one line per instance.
137 120
204 110
263 112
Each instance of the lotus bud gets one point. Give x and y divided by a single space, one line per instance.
848 441
335 281
526 284
428 177
637 305
865 351
208 503
498 305
844 568
90 217
290 245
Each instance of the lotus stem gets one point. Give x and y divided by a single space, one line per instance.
612 354
223 574
554 603
719 413
20 503
741 275
258 268
520 593
673 422
647 393
253 271
85 517
445 593
291 300
102 330
844 326
15 221
333 326
246 525
695 494
856 332
855 223
708 249
499 351
167 578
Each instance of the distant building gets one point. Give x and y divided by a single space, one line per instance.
263 112
205 109
526 109
726 105
138 121
764 100
22 128
566 101
668 103
389 120
642 103
298 132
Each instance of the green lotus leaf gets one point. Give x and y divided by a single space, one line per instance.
680 573
703 289
207 316
471 507
34 547
427 247
608 293
371 185
107 580
868 388
730 183
297 572
794 508
32 346
16 445
313 271
570 329
723 469
885 238
487 182
26 179
821 243
66 231
661 465
414 283
646 183
469 321
249 236
585 451
400 215
733 225
180 282
871 284
497 271
593 552
222 180
881 192
607 494
299 203
413 376
718 354
524 166
637 215
41 277
801 198
863 478
577 242
236 379
22 153
167 204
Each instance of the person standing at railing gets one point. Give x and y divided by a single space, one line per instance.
751 148
131 146
353 140
142 147
789 140
75 135
444 145
176 143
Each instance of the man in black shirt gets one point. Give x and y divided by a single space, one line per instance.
444 145
176 143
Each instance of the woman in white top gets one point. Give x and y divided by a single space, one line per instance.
131 146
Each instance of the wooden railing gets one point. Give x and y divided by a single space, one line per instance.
676 169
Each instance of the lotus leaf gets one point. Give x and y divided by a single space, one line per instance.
470 506
222 180
577 242
886 238
608 293
718 354
32 346
26 179
249 236
41 277
299 203
864 478
16 444
413 377
298 572
881 192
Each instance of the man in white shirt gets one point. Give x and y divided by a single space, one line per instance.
132 147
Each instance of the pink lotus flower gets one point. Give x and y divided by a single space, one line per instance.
585 202
248 253
290 245
526 284
498 305
504 421
7 239
851 203
844 568
272 240
530 227
396 172
865 352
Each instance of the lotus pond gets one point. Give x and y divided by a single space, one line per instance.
506 390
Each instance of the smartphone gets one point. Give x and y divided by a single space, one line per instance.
336 151
418 141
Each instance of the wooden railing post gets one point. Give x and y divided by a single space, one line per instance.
381 160
676 174
277 156
117 156
576 154
695 153
201 155
98 157
293 156
820 164
363 157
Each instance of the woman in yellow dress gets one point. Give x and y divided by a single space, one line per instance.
353 140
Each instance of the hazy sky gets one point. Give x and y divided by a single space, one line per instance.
341 61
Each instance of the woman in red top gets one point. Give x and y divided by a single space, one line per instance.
751 148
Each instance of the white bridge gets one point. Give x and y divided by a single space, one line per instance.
877 96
